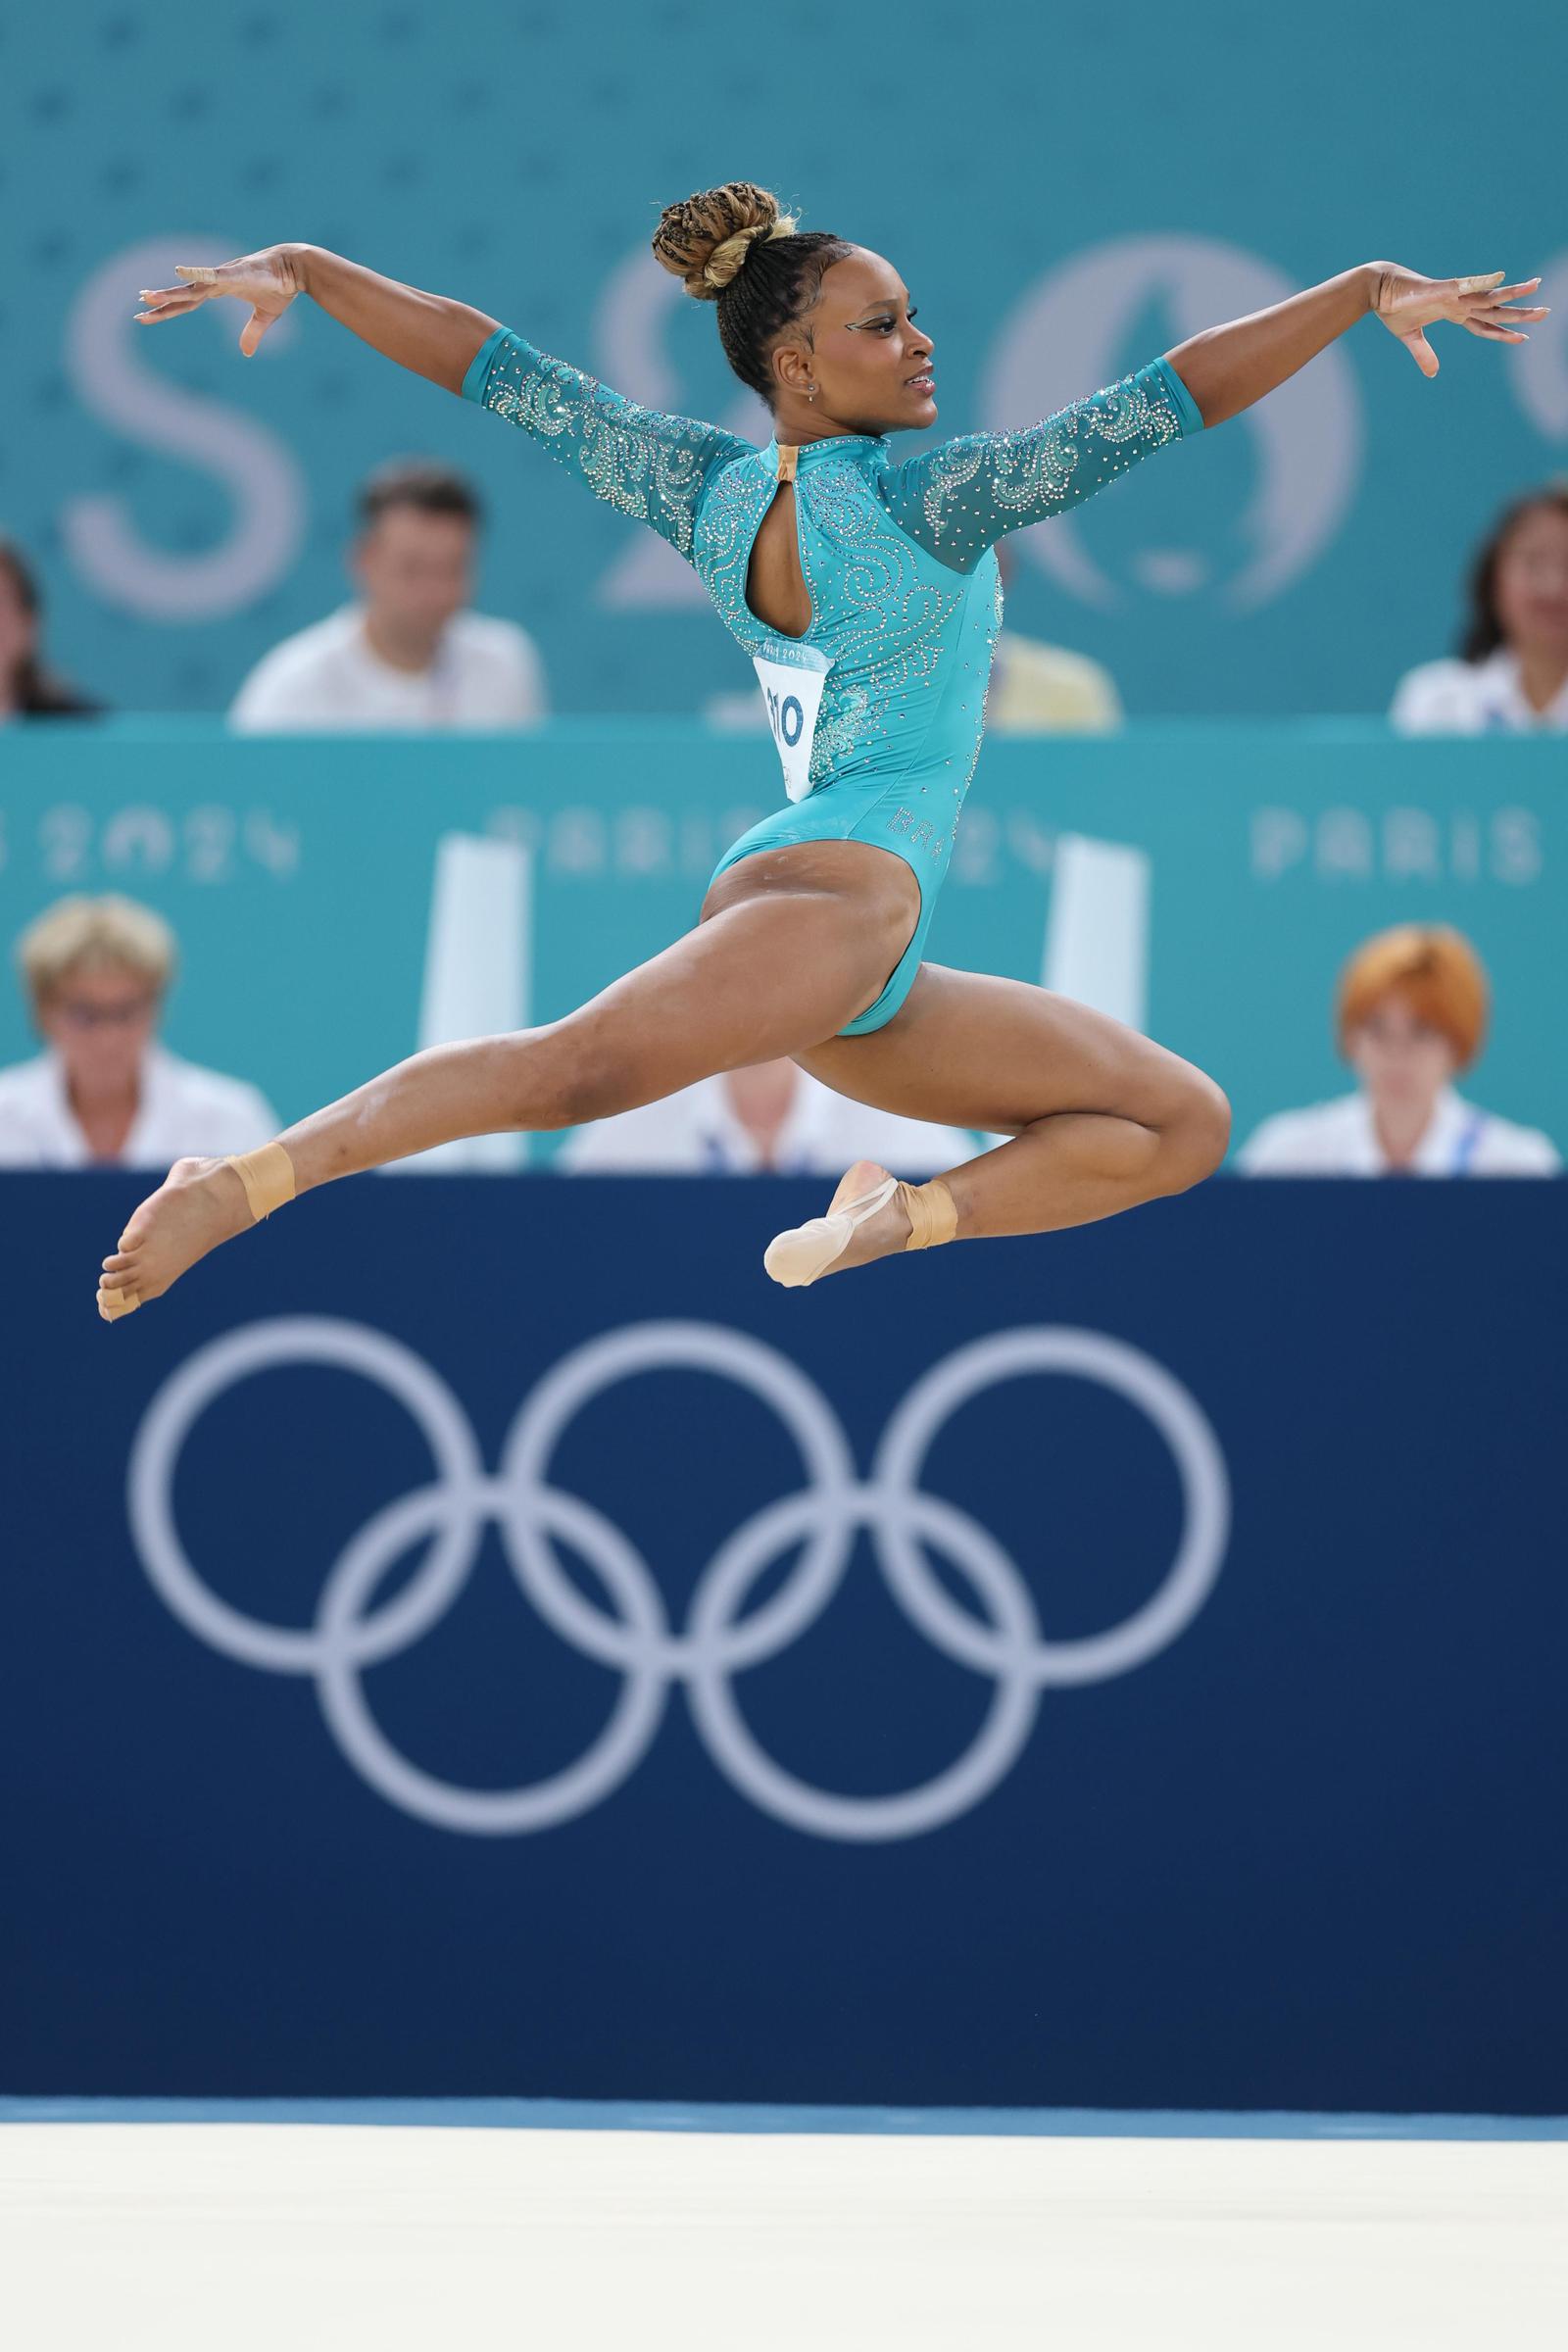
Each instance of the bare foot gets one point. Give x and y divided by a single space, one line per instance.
199 1203
830 1244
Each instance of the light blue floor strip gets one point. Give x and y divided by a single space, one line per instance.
594 2115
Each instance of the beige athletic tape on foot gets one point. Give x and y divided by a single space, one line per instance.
268 1176
930 1211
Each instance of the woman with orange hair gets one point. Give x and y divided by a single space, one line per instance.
1411 1013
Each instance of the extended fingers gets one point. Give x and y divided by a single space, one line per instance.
169 310
1493 310
168 302
1499 320
173 302
1485 292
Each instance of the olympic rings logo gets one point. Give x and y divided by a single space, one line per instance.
634 1635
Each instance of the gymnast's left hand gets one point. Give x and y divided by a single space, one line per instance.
1408 303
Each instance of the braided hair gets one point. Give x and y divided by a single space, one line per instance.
733 247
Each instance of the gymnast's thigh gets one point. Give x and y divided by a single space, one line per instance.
968 1050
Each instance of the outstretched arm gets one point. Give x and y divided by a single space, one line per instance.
959 499
429 334
647 463
1226 368
426 333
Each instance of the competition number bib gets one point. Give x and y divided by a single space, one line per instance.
793 694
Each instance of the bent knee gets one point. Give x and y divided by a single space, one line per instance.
1199 1133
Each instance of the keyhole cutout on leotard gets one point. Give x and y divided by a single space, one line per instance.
776 592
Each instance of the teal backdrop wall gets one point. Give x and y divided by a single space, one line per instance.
298 871
1067 191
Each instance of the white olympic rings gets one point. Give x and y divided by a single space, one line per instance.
634 1637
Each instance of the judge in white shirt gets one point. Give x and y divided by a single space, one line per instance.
772 1119
105 1093
1512 675
1413 1013
407 654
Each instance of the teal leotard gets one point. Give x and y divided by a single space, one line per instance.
878 709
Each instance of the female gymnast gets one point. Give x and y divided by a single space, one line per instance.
865 592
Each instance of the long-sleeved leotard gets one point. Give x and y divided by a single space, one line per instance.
878 709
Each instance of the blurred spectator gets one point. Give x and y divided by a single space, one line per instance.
1412 1011
1040 689
410 654
1512 670
106 1092
772 1119
27 688
1035 688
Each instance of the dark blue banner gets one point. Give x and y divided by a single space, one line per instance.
479 1638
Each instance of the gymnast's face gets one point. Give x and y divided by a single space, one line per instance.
863 349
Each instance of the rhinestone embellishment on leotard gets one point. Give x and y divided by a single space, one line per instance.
897 561
623 458
1035 469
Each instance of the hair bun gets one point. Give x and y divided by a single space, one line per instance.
705 239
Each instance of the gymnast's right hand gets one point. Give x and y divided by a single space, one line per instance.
267 280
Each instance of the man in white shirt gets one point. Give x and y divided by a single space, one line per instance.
768 1120
105 1094
1412 1011
409 653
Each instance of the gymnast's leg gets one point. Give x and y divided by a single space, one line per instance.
794 942
1098 1117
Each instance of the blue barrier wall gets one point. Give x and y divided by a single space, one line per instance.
1271 1821
1065 193
1272 852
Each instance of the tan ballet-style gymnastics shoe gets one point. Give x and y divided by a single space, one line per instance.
801 1256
